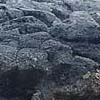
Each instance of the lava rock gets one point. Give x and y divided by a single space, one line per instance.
33 40
10 35
24 22
70 80
32 58
46 17
49 49
87 50
57 52
80 27
7 57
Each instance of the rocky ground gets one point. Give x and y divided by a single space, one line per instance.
49 49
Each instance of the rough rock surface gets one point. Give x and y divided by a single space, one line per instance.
49 49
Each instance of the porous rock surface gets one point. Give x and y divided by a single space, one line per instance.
49 49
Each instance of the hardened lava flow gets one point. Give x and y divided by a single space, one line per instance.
49 49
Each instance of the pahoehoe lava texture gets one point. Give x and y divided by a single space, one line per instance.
49 50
